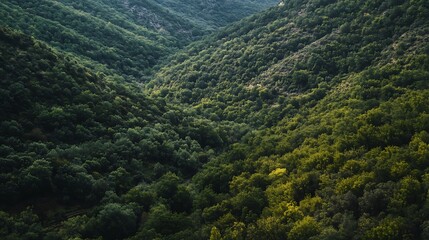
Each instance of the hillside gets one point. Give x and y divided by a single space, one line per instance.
259 70
309 120
351 166
122 37
342 87
74 142
113 45
212 14
70 136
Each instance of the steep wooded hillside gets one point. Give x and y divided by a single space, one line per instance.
211 14
70 136
259 70
121 36
107 44
307 121
353 165
345 86
74 142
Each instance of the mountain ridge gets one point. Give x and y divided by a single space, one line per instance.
243 64
306 121
112 35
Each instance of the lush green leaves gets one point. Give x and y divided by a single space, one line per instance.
308 121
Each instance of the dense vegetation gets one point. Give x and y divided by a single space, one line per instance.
354 166
74 141
209 14
258 70
71 136
307 121
126 37
114 43
348 160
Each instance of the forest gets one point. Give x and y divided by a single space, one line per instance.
204 119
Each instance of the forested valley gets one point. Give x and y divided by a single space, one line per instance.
205 119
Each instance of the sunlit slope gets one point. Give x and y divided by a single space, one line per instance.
353 166
258 70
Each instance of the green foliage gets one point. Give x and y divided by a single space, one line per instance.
215 234
128 49
304 229
161 222
264 68
307 121
115 222
214 14
83 139
354 169
128 38
344 106
26 225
